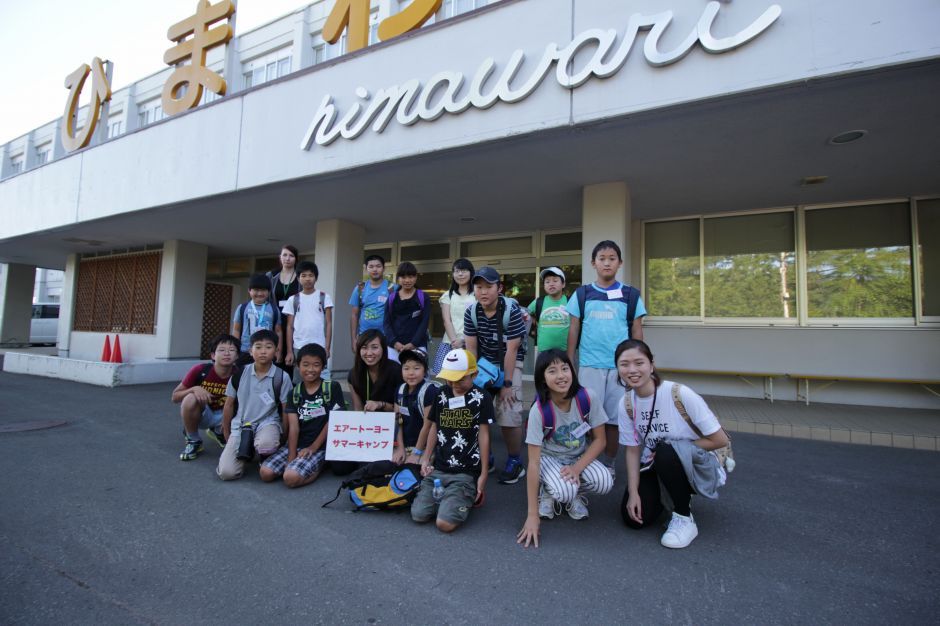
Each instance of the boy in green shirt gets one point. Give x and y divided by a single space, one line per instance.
549 313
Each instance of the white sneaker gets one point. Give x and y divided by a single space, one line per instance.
577 509
548 506
682 530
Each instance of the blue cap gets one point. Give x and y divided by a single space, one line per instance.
488 274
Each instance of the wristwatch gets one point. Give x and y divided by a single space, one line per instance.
507 384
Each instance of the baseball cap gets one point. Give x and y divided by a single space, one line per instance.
555 271
488 274
457 364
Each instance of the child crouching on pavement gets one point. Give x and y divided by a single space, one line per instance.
459 440
308 413
261 389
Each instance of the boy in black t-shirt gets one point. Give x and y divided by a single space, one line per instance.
459 439
412 406
308 410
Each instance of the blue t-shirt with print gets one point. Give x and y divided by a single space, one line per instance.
372 308
254 318
604 324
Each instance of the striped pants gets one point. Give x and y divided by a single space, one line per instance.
594 479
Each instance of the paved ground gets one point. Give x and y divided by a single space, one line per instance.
101 523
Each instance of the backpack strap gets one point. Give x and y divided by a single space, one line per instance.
632 298
420 298
628 404
296 394
326 389
361 288
583 400
677 400
547 409
581 294
400 394
422 394
203 372
534 328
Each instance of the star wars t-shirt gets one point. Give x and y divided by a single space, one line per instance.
458 422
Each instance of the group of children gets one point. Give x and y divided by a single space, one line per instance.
573 427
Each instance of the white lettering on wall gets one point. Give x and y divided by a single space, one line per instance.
411 101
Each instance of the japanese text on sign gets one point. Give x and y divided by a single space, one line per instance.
360 436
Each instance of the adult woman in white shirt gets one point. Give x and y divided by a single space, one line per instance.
657 436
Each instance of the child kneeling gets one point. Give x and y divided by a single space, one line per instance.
459 439
308 413
562 465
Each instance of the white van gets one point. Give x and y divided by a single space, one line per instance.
44 327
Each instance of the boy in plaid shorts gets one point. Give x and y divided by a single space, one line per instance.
308 411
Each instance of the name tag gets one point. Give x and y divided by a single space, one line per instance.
416 313
318 412
266 398
457 403
281 303
382 299
403 410
615 294
581 430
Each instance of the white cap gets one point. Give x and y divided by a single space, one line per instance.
555 271
457 364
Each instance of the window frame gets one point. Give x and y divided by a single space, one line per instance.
802 318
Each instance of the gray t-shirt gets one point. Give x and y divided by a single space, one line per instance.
563 444
256 401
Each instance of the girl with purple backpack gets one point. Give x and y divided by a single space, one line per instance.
565 435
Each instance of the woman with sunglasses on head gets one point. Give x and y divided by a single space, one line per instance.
669 432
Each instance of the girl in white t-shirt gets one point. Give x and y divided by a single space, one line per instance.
653 434
454 302
565 434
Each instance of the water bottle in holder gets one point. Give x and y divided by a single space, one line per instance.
246 443
438 492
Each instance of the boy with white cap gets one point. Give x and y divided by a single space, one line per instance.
549 312
459 441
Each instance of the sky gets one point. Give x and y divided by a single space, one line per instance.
43 41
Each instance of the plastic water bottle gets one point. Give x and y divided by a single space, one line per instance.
438 492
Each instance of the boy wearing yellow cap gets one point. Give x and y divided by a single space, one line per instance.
459 441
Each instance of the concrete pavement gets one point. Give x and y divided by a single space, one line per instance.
101 523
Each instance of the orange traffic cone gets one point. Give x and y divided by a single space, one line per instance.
116 356
106 351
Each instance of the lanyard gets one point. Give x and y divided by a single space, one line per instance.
259 314
368 381
286 287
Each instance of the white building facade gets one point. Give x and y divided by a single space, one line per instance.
769 170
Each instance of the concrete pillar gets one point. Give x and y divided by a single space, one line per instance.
67 305
302 47
16 303
180 303
339 258
606 214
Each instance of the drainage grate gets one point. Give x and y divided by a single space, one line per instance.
18 427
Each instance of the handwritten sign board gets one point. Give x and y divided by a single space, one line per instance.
360 436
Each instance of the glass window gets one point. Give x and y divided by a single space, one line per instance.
270 71
385 253
858 261
237 266
672 268
496 248
248 81
563 242
426 252
750 266
16 164
283 67
928 232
